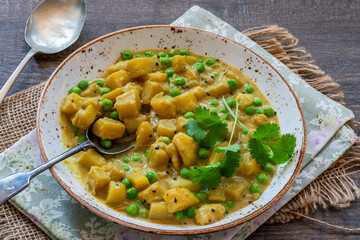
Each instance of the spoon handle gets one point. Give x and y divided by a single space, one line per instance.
13 184
5 89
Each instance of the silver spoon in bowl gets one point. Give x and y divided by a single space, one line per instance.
52 27
13 184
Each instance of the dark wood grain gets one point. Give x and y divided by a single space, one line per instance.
330 30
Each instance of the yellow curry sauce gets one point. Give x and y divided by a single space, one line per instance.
145 105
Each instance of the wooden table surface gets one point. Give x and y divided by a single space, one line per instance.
330 30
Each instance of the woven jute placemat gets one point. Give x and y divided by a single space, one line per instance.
334 187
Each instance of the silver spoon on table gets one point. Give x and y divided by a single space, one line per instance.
52 27
13 184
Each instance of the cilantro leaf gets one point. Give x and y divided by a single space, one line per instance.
259 151
283 149
267 132
207 129
207 177
232 148
230 163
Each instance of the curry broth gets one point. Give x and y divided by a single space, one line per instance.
194 79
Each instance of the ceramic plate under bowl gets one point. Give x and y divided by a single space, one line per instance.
92 59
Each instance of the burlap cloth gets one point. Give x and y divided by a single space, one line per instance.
334 187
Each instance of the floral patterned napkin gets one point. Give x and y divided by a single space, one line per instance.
52 209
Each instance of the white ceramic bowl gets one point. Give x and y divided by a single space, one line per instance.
92 59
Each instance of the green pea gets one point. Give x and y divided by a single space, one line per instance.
270 168
209 62
174 92
269 111
259 111
245 131
74 128
223 109
114 115
162 54
83 84
199 60
166 140
199 67
107 104
213 111
233 84
184 173
136 158
190 212
203 153
255 188
214 103
151 177
249 89
149 53
257 102
179 81
216 74
184 52
131 193
132 210
76 90
146 152
127 55
230 203
172 53
231 102
104 90
250 110
144 212
165 61
126 168
180 215
262 178
202 196
126 159
170 72
189 115
99 83
105 143
225 206
81 138
126 182
226 116
138 56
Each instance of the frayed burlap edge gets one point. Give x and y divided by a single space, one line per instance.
333 188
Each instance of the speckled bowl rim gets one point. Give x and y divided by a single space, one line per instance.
154 230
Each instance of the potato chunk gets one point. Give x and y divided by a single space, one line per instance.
158 158
158 210
180 182
150 89
144 135
166 128
164 107
209 213
174 156
218 89
132 86
156 77
112 95
235 186
259 119
216 157
217 195
121 65
117 79
139 181
116 193
95 102
139 66
179 62
244 100
154 193
128 104
248 167
132 124
97 179
71 103
115 171
185 102
179 199
199 92
92 91
180 124
108 128
91 158
186 147
84 117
